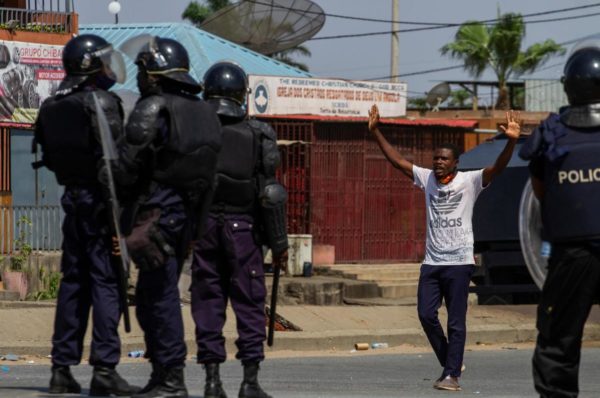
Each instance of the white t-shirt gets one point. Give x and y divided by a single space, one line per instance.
449 214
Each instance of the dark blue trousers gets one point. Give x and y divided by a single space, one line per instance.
451 283
571 287
228 265
89 281
158 306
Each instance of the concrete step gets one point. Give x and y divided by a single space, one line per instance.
6 295
394 281
393 278
397 290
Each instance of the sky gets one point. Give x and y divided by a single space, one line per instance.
369 57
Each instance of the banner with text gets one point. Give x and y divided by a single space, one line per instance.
29 73
273 95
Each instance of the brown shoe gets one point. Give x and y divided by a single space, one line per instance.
448 383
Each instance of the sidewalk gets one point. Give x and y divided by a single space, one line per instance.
28 330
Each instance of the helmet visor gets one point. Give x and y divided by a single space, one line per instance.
144 44
114 66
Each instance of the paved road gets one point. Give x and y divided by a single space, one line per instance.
503 373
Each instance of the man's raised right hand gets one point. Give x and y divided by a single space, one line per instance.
373 118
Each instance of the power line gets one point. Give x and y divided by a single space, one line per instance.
424 72
409 30
389 21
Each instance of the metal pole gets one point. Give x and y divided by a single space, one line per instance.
395 53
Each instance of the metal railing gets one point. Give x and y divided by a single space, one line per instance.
36 20
40 227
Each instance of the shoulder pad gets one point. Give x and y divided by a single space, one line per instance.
142 121
110 103
264 129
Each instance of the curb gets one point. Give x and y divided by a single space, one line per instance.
336 340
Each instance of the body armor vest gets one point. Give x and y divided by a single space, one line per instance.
237 170
70 146
183 161
571 183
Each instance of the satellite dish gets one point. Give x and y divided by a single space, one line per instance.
438 94
268 26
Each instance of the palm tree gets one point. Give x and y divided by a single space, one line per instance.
459 98
285 56
499 47
198 13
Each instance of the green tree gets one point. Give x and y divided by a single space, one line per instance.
198 13
459 98
498 47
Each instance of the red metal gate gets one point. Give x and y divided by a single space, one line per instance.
345 193
294 146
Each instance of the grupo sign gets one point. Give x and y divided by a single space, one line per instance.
273 95
29 73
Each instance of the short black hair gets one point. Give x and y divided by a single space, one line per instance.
455 151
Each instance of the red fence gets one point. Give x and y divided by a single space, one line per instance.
294 138
345 193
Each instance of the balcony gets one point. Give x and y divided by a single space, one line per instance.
38 16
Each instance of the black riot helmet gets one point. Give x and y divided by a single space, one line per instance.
226 85
159 56
581 79
90 55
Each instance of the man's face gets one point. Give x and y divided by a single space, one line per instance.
444 162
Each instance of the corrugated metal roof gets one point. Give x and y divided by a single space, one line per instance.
204 49
458 123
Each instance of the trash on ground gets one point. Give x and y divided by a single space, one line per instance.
136 354
30 361
4 369
10 357
361 346
379 345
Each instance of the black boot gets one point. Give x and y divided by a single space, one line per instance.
169 384
213 388
106 382
155 377
250 387
63 382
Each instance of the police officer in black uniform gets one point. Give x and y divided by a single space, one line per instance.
168 159
68 133
565 174
228 260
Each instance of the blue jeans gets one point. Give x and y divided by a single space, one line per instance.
451 283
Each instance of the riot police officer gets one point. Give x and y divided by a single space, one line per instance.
565 174
67 130
228 260
168 159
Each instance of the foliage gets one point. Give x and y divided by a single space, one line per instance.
50 282
285 56
418 104
198 13
459 98
23 249
498 47
36 27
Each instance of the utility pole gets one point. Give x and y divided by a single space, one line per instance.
395 53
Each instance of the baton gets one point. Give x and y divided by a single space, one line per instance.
270 335
110 153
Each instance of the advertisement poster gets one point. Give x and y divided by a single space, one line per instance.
273 95
29 73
